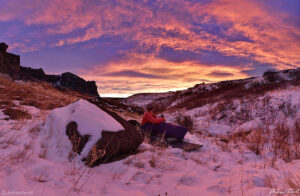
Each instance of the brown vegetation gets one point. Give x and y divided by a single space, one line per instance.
38 94
256 141
16 114
185 120
282 141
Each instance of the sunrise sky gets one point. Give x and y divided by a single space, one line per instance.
138 46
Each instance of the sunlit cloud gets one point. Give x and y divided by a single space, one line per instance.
132 46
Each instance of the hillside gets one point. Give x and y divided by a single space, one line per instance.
202 94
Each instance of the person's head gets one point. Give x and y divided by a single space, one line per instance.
150 107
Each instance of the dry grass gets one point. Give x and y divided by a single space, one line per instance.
14 159
296 132
38 94
8 142
284 142
293 181
96 154
269 181
34 131
153 160
6 104
226 147
256 141
185 120
16 114
77 172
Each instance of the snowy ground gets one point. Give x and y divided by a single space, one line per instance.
216 169
245 114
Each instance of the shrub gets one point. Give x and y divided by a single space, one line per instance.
284 144
256 141
185 120
16 114
288 109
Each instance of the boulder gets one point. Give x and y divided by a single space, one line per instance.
134 123
116 144
95 133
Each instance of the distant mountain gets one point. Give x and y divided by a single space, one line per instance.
10 64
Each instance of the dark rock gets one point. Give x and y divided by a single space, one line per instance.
3 48
113 145
76 83
78 141
10 64
29 73
134 123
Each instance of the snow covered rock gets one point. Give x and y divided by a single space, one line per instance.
88 130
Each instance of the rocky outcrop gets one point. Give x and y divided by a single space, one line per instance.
10 64
76 83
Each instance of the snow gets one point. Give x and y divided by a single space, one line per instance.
141 100
90 119
208 171
246 114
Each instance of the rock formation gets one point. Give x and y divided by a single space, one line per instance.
10 64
